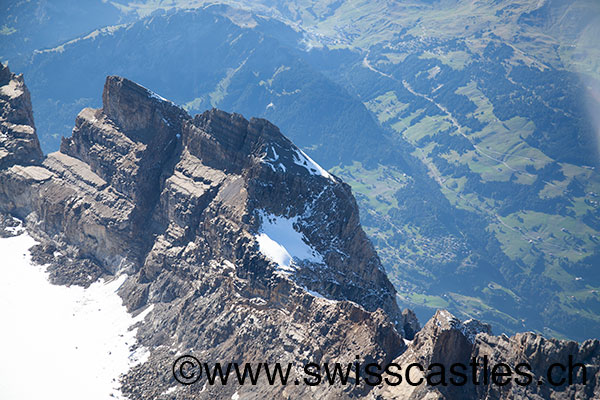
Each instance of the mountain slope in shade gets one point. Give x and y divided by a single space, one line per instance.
180 204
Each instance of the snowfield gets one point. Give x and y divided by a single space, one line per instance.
303 160
60 342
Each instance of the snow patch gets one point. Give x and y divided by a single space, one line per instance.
301 159
319 295
15 230
158 97
279 241
275 252
270 161
78 340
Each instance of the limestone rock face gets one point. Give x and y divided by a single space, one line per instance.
18 141
540 353
446 340
179 204
240 247
411 324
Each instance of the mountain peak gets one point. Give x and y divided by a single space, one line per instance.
18 140
163 162
5 74
135 108
241 141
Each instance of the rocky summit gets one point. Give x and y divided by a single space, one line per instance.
238 247
18 141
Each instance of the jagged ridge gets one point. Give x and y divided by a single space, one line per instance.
177 202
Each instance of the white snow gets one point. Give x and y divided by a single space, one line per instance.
281 243
157 97
271 160
168 123
319 295
171 390
60 342
15 230
274 251
301 159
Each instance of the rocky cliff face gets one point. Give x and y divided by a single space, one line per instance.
237 245
446 340
184 206
18 142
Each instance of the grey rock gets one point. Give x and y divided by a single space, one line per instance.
18 141
411 324
177 203
446 340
